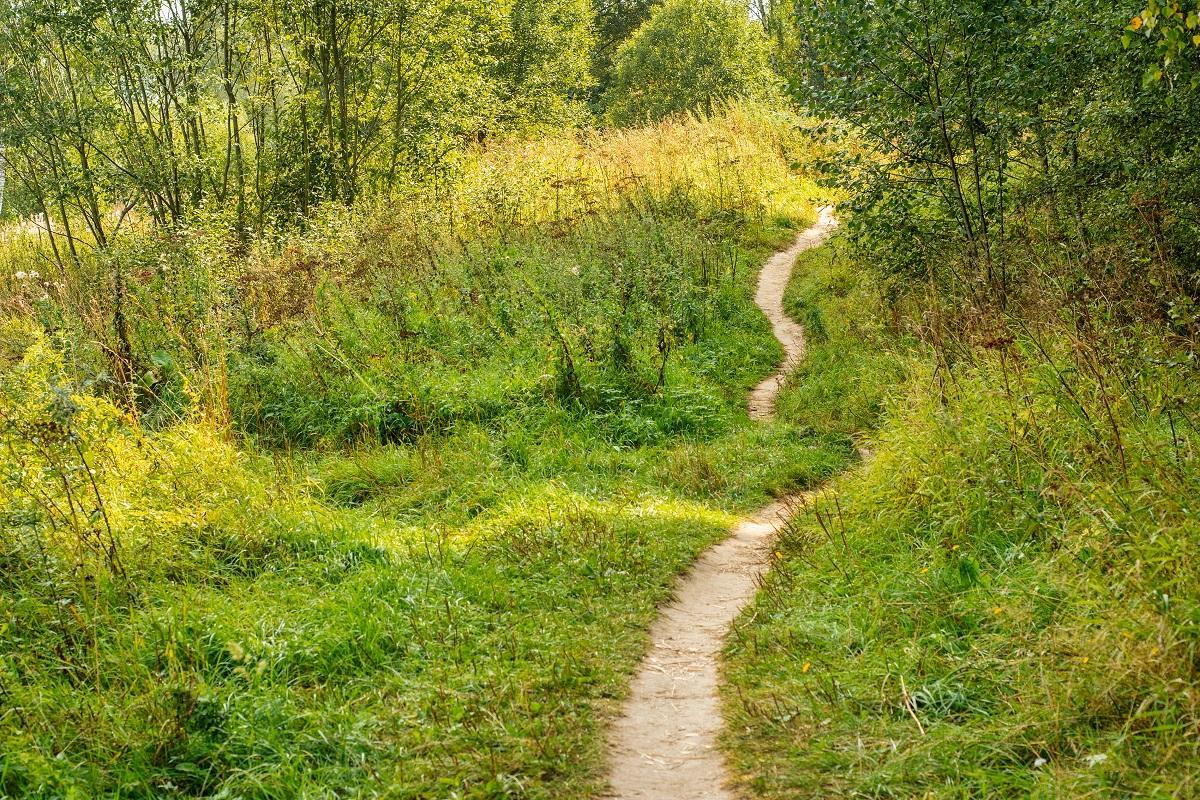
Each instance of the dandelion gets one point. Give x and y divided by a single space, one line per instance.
807 666
997 610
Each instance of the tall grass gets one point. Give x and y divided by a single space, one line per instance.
158 309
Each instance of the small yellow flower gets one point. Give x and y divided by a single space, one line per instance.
807 666
997 610
1136 22
1083 660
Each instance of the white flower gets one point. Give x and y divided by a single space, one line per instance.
1039 762
21 275
1096 758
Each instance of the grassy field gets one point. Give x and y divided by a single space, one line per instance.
1001 602
390 506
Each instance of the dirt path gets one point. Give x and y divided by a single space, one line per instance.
664 745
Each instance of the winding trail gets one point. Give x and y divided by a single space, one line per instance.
664 745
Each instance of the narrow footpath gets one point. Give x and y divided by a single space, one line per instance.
664 745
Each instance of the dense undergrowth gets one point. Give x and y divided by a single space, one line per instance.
392 498
1002 601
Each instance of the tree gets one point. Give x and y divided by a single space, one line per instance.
615 21
981 115
543 62
690 55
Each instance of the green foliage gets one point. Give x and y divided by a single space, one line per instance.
616 20
545 70
1000 601
1173 29
266 109
357 327
690 55
976 119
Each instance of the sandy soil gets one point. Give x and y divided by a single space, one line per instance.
664 745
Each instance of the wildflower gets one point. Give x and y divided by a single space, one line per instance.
22 275
1096 758
807 666
997 610
1039 762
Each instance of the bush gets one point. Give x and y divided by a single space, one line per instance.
690 56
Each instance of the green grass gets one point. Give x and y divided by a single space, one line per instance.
446 618
403 540
1002 601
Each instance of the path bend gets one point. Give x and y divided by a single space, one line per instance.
664 744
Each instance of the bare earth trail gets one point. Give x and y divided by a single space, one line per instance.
664 745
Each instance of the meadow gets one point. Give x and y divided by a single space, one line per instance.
394 509
371 371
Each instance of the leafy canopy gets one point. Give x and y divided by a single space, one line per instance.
690 55
1172 28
